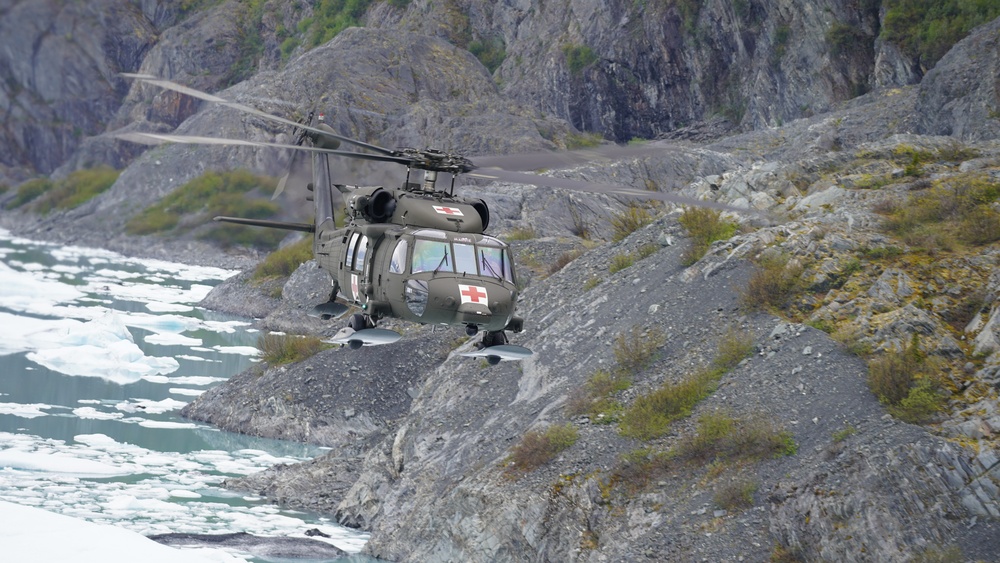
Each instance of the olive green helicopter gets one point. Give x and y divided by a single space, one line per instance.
417 252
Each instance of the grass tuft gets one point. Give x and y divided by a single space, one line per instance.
705 226
282 262
629 220
538 447
279 349
773 283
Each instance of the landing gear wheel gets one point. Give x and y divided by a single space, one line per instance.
492 338
471 330
360 322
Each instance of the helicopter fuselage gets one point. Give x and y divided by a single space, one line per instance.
452 275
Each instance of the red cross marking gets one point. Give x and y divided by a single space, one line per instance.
472 293
447 210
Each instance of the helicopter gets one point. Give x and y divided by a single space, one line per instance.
417 252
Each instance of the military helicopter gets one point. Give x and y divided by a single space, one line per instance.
417 252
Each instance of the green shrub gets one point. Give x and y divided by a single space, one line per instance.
736 495
578 57
720 438
929 28
490 52
195 203
773 282
564 259
906 382
705 226
629 220
77 188
591 283
538 447
330 17
620 261
637 349
278 349
650 415
582 140
522 233
29 191
733 348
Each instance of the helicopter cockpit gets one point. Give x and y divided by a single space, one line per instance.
455 277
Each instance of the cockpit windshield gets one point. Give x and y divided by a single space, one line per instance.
487 257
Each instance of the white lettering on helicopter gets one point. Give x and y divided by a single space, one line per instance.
473 294
449 210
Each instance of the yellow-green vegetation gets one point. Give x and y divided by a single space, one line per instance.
637 349
282 262
954 209
564 259
77 188
490 52
719 441
195 203
650 415
907 382
629 220
844 433
774 281
278 349
29 191
705 226
591 283
579 57
330 17
538 447
783 554
736 495
634 351
576 141
928 28
621 261
721 438
596 397
521 233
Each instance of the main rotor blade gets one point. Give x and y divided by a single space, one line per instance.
160 138
149 79
610 189
556 160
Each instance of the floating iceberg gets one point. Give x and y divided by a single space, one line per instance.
101 348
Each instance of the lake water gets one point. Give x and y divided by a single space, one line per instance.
98 353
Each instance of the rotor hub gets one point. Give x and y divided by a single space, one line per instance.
436 161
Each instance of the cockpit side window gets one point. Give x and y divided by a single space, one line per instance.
431 256
398 263
493 262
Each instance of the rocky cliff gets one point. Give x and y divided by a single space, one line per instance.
784 453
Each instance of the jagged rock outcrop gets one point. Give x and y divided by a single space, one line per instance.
60 84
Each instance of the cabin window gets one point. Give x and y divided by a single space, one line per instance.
416 296
359 260
493 262
398 263
349 255
430 256
465 259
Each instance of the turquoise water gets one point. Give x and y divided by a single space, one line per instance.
98 353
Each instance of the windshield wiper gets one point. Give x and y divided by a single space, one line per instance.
444 260
482 256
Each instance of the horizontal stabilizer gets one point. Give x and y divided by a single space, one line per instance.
365 337
494 354
304 227
329 310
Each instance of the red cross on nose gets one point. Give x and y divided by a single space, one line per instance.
473 293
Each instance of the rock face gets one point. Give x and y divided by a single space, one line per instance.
423 440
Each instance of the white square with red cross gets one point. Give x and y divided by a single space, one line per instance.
450 211
473 294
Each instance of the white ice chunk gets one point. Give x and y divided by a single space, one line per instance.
172 340
99 348
26 534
